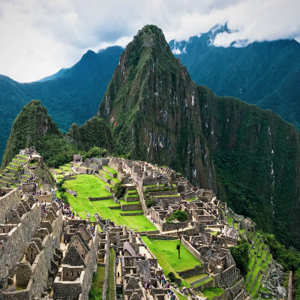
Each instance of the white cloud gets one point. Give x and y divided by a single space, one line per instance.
39 37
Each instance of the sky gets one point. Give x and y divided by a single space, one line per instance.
40 37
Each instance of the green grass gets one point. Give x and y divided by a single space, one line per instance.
111 292
230 220
105 175
132 192
112 171
115 180
131 196
167 255
192 199
203 282
97 284
92 186
58 171
179 296
67 169
153 185
162 196
236 226
194 278
129 203
212 292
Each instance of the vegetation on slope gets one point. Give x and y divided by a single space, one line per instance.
73 96
262 73
31 124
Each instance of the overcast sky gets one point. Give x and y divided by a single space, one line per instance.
40 37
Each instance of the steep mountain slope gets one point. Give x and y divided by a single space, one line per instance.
73 96
262 73
250 157
148 104
34 127
31 124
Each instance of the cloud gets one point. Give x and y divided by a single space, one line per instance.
39 37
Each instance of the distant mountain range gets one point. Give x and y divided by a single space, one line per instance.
264 73
71 95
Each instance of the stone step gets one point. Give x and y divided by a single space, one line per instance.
10 175
5 183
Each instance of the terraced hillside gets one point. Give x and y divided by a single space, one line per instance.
260 260
15 173
94 195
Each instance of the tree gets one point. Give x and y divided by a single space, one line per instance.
240 255
177 218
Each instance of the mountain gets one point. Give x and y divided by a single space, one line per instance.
249 156
152 110
70 96
34 127
261 73
60 73
31 124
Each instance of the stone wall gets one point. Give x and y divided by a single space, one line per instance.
18 239
10 200
188 246
44 198
191 272
173 226
131 207
208 284
161 237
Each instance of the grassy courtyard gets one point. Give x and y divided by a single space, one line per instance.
167 255
92 186
97 284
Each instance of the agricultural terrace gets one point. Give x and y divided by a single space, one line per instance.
167 256
92 186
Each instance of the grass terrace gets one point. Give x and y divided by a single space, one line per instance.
205 281
179 296
92 186
167 256
194 278
131 192
192 199
212 292
112 171
97 284
111 291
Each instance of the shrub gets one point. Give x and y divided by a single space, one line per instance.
240 256
171 276
150 202
119 189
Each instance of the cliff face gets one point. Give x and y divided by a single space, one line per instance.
31 124
151 106
250 157
257 158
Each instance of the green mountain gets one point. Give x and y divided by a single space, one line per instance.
153 111
72 95
34 127
249 156
261 73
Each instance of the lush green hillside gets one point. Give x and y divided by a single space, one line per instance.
262 73
31 124
34 127
148 106
250 157
70 96
153 111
